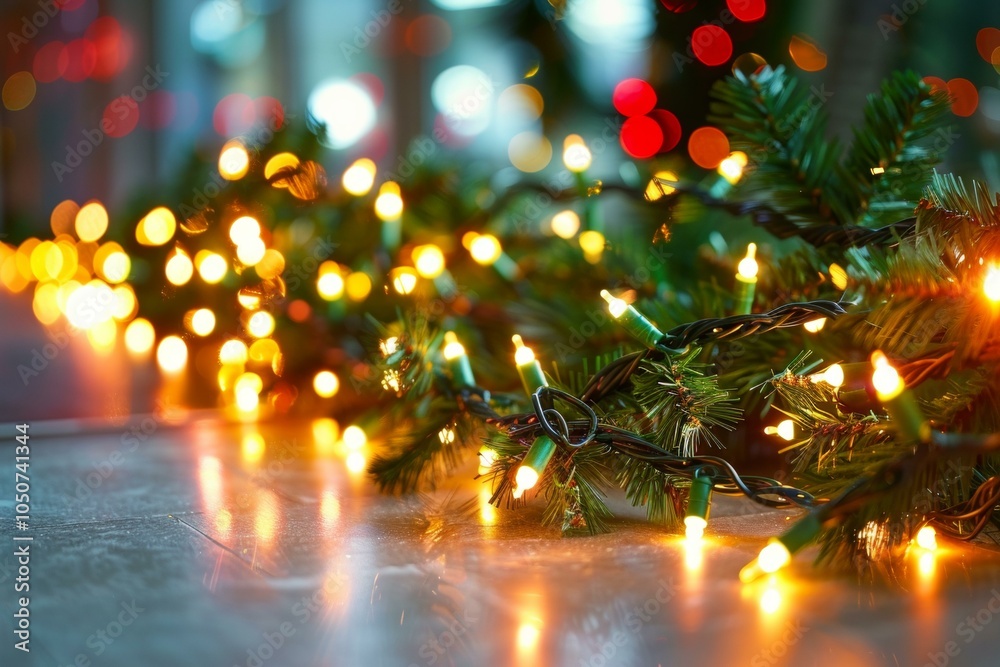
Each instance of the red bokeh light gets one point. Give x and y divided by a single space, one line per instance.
937 84
679 6
708 146
269 111
641 137
120 117
711 45
81 59
50 62
987 41
964 97
747 10
427 35
634 97
70 5
234 115
670 126
113 44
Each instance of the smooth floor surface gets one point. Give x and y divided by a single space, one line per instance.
212 544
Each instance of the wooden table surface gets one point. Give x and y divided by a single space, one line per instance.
215 544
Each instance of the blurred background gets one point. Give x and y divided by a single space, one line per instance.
115 101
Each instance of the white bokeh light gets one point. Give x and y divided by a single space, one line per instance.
467 4
465 96
611 21
345 109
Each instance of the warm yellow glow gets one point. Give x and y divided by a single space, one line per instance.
172 354
528 635
522 353
91 221
116 267
233 351
179 267
926 564
772 558
90 305
833 376
991 284
615 305
565 224
592 242
657 188
838 276
770 600
814 326
250 252
927 538
885 378
139 336
157 228
487 457
392 380
428 260
330 286
46 261
731 168
125 304
234 161
325 433
526 478
485 249
326 384
355 463
354 437
211 267
576 155
260 324
282 162
252 447
785 429
102 336
271 265
359 177
748 265
447 436
358 286
389 203
487 513
452 348
389 346
202 322
46 303
243 229
247 400
263 350
694 528
248 382
404 280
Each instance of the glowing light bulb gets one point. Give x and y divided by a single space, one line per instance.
139 336
234 161
116 268
211 267
447 436
202 322
428 260
731 168
157 228
452 348
359 178
404 280
694 528
487 457
833 376
354 437
389 203
526 478
991 284
233 352
247 400
576 155
172 354
773 557
785 429
748 265
522 353
261 324
885 378
485 249
699 503
927 538
251 251
355 463
244 229
814 326
389 346
330 286
615 305
592 243
179 268
326 384
656 188
565 224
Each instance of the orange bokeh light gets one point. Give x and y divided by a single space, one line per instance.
708 146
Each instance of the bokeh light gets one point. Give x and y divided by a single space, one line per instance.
18 91
91 221
211 267
708 146
359 178
464 95
343 110
806 54
139 336
633 97
565 224
711 44
529 152
641 137
964 97
157 227
179 267
172 354
670 126
326 384
747 10
234 161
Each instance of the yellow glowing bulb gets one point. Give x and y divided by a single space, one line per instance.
252 447
248 382
389 203
358 286
234 161
522 353
211 267
838 276
731 168
172 354
773 557
428 260
487 457
359 177
354 437
833 376
615 305
202 322
528 635
885 378
260 324
116 268
139 336
244 229
233 352
91 221
785 429
247 399
485 249
389 346
330 286
592 242
565 224
526 478
657 188
694 527
404 280
770 601
991 284
576 155
814 326
452 348
251 252
326 384
179 268
355 462
157 228
748 265
927 538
